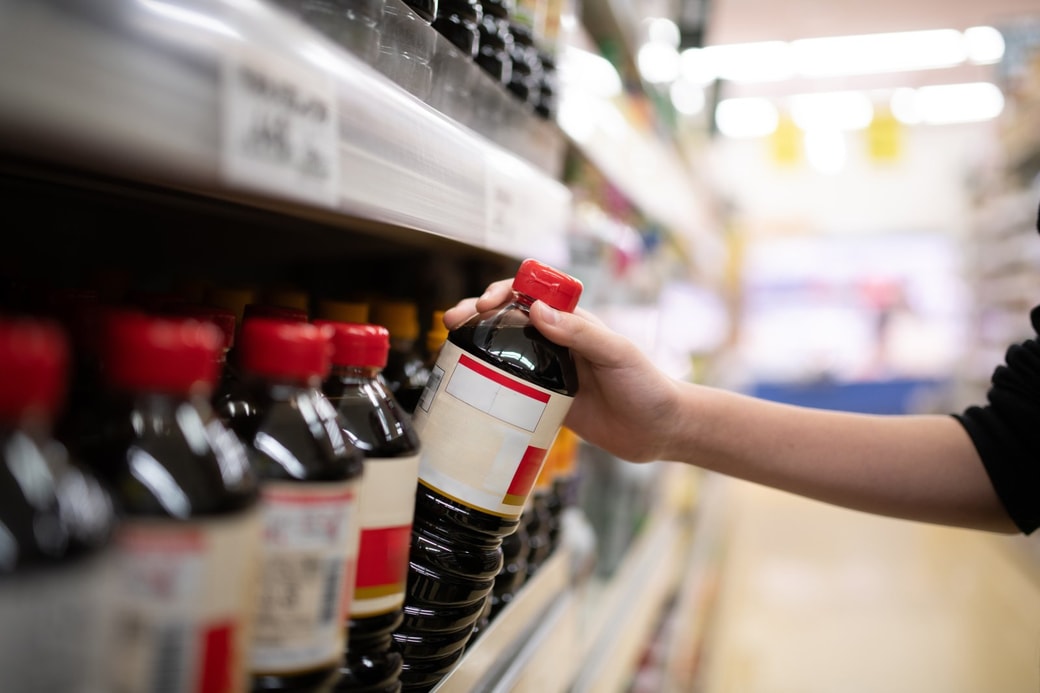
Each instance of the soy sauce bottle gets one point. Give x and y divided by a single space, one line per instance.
494 403
309 483
405 372
56 560
374 422
189 537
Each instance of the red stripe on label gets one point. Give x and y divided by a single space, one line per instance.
505 381
383 557
307 499
527 472
217 646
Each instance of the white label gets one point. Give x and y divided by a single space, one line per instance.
184 605
485 432
387 506
56 630
280 129
310 553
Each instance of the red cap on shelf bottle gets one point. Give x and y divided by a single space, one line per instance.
310 474
374 422
57 523
296 351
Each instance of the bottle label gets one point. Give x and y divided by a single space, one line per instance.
485 432
185 603
56 632
310 553
387 504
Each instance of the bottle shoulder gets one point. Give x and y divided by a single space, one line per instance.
51 508
505 338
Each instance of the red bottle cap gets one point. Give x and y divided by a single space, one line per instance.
142 353
543 283
223 318
354 344
283 313
33 361
279 349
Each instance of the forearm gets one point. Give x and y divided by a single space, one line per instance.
915 467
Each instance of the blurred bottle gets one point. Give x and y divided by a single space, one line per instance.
342 311
355 25
459 21
495 42
56 521
527 71
288 297
376 425
538 521
309 477
435 338
188 546
408 44
273 312
233 298
563 495
513 574
546 101
493 405
405 372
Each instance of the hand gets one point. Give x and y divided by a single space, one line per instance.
624 405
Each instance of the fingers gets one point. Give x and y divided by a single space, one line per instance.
495 295
581 333
460 312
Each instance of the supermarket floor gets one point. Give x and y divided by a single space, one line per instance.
816 599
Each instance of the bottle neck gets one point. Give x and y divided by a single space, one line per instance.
523 301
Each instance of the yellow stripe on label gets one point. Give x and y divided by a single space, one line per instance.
379 591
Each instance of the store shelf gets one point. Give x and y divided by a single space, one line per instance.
538 625
237 99
628 606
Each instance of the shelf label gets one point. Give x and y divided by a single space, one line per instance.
280 129
508 207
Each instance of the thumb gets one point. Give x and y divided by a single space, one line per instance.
582 335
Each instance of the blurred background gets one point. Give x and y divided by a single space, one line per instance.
831 204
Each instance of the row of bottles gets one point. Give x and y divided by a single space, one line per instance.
512 42
247 489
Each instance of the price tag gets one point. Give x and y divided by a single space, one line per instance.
507 204
280 129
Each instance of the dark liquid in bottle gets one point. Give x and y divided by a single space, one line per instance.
311 449
456 550
406 374
514 570
427 9
373 422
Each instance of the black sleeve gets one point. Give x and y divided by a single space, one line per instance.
1006 432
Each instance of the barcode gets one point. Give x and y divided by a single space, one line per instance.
432 383
329 612
169 659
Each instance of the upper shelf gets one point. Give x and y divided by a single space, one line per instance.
239 99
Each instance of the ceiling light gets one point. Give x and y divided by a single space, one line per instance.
687 98
959 103
658 63
839 110
749 117
768 61
588 72
985 45
875 53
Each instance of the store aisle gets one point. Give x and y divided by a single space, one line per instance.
817 599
